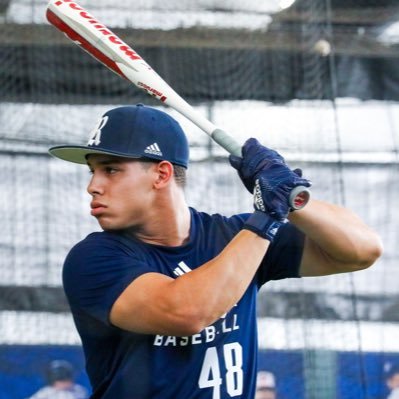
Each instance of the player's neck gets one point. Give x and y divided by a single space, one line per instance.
62 385
169 222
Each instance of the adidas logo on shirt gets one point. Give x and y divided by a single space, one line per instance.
181 269
153 149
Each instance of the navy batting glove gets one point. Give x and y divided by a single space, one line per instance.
263 225
265 173
254 158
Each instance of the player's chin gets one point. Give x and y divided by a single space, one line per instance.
108 224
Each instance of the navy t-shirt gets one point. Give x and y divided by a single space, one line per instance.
218 363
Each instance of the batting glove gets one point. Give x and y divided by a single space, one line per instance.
265 174
263 225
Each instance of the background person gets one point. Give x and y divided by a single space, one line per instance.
265 385
392 380
60 383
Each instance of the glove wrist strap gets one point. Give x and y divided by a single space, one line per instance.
263 225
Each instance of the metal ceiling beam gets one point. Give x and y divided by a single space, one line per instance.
345 42
358 16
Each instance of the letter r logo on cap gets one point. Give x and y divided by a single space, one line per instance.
95 134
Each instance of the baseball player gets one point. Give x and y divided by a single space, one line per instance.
164 298
60 383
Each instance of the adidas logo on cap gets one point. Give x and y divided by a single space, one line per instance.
153 149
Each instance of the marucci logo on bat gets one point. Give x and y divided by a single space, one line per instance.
104 45
152 91
128 51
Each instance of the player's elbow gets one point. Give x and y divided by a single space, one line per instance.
189 328
191 322
371 253
366 255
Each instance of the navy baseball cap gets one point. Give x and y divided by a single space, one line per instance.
132 132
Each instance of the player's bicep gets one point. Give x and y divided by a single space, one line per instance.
145 306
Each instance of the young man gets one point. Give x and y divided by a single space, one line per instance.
164 299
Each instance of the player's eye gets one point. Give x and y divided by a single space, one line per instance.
111 170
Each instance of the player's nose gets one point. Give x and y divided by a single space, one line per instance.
95 186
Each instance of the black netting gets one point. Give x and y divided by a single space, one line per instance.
317 80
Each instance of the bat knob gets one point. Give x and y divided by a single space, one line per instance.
299 197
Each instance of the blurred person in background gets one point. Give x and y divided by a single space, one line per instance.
391 372
265 385
61 383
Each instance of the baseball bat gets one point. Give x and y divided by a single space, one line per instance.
104 45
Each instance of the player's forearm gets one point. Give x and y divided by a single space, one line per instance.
156 304
214 288
339 235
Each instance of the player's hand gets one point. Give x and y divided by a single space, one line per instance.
266 175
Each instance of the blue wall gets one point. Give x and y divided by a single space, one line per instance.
22 368
358 376
287 366
363 376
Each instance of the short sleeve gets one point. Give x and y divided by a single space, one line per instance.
96 271
284 255
283 258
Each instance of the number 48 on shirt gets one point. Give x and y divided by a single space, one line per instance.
210 376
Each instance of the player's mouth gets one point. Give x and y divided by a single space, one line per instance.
97 208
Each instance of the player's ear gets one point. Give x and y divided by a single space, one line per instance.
164 174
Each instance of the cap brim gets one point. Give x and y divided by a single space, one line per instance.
78 154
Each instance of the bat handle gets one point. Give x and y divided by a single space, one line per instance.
227 142
299 196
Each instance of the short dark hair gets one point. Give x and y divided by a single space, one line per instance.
180 173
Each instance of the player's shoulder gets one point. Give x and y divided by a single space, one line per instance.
219 224
43 393
100 246
103 240
218 218
80 391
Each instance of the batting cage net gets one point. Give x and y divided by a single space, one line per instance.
317 80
